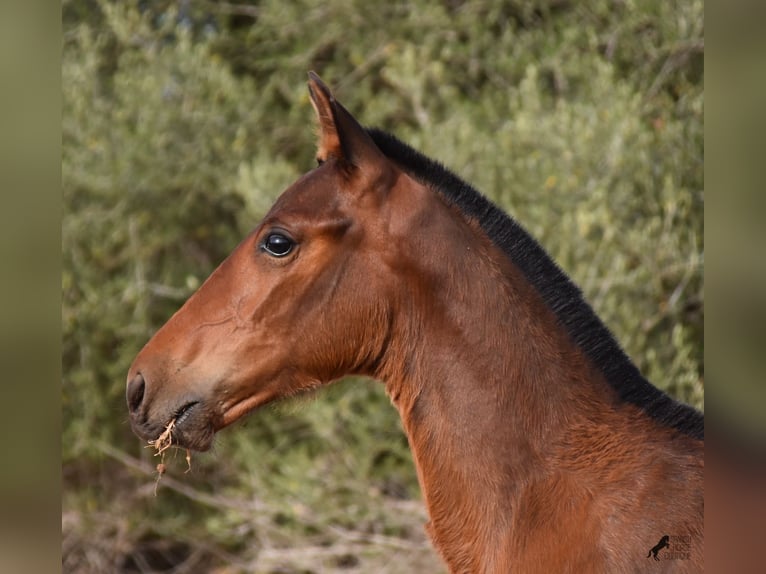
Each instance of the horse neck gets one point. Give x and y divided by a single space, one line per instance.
475 349
484 379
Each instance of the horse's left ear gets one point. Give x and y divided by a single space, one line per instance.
341 137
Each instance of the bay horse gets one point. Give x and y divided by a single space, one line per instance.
538 445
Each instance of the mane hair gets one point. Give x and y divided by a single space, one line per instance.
560 294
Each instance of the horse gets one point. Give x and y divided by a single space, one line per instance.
538 444
654 550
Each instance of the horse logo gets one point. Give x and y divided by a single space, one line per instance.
663 543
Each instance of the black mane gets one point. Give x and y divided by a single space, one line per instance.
557 290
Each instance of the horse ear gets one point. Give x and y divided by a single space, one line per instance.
322 99
340 135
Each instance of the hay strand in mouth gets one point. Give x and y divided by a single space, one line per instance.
164 441
161 444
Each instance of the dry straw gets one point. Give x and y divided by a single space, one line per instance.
161 444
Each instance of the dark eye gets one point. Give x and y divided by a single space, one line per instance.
278 245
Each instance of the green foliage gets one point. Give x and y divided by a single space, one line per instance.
183 121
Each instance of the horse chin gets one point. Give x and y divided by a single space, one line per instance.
194 429
194 438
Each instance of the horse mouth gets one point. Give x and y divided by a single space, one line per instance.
194 425
184 412
190 428
193 428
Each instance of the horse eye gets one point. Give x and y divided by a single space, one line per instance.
278 245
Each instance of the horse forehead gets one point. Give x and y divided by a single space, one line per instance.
314 192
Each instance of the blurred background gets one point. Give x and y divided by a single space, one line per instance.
182 122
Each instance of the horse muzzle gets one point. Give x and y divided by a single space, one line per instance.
149 416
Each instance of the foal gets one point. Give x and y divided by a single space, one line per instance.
539 447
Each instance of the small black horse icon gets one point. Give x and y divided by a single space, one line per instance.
663 543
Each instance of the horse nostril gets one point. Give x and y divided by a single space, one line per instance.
135 393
